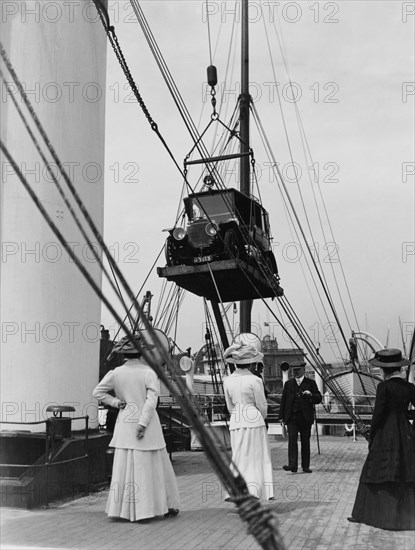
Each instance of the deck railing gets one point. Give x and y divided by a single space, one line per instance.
331 412
213 404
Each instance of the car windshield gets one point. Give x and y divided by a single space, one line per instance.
216 207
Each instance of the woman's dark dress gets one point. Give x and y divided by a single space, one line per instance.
386 494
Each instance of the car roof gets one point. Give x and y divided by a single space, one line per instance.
238 195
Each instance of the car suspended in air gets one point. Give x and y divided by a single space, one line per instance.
222 224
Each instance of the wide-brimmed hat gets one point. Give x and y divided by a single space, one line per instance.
388 359
242 354
128 346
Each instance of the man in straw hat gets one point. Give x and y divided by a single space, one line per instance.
386 493
247 405
299 396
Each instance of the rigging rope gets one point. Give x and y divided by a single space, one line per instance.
320 367
220 300
167 76
208 29
141 288
211 355
353 365
320 274
314 263
306 149
322 370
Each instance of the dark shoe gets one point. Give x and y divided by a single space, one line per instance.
307 471
289 469
352 520
172 513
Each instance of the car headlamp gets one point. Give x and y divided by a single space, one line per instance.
211 229
179 233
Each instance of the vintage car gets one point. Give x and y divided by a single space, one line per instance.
222 225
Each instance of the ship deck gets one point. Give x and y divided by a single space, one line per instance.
311 508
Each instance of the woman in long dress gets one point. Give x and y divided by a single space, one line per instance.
143 484
386 494
247 405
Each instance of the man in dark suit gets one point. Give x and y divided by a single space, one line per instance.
299 396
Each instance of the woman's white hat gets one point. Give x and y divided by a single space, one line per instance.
242 354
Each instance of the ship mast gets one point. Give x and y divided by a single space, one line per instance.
246 305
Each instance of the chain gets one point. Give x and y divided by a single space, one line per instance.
110 30
128 75
214 115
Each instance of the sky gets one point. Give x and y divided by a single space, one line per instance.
352 69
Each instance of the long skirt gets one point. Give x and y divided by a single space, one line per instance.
386 505
143 485
252 457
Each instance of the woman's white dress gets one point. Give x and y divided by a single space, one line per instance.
143 484
246 402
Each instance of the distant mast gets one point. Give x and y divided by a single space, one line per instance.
246 305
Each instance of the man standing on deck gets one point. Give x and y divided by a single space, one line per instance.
299 396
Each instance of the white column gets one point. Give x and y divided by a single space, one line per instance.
50 316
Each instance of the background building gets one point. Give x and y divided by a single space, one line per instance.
273 359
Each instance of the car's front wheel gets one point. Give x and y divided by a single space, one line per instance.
232 244
271 262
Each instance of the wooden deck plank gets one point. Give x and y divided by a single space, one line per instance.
312 511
